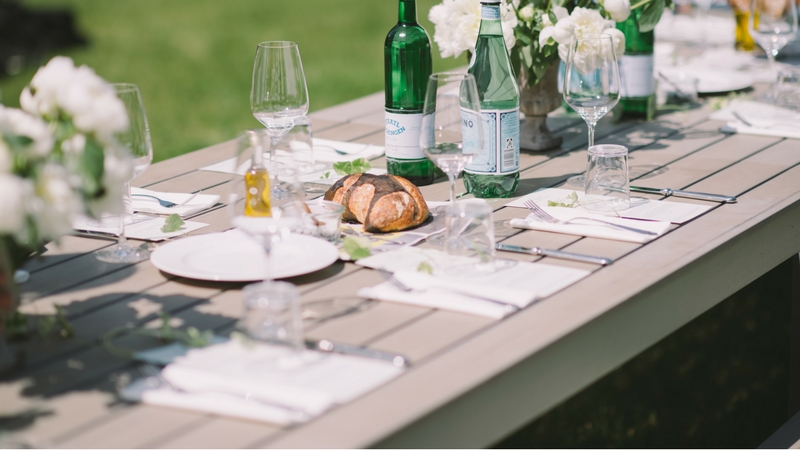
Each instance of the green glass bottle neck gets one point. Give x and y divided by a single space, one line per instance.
407 12
490 27
636 42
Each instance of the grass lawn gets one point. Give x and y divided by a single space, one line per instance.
193 58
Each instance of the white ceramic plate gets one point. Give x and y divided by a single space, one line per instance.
232 256
712 81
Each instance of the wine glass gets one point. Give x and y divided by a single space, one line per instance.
137 140
278 94
452 133
252 207
772 24
591 82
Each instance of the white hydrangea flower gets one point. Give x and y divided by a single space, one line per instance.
19 123
56 202
117 170
457 22
582 23
13 202
619 10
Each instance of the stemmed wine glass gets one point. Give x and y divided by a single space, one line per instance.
772 23
591 82
452 133
278 94
137 140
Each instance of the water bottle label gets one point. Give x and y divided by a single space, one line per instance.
636 76
470 132
500 154
402 136
490 12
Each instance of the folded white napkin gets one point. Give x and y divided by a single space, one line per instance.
324 150
764 119
151 205
590 229
516 284
641 208
439 299
239 380
143 227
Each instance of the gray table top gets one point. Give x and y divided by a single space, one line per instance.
473 380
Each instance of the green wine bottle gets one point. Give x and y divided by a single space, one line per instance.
495 172
407 66
637 86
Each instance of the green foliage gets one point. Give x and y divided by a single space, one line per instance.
173 223
193 59
359 165
651 14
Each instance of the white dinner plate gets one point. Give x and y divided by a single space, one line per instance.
710 81
232 256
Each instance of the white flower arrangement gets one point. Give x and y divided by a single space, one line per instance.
537 32
58 155
581 23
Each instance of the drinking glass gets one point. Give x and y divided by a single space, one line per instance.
607 178
772 23
252 206
452 132
278 94
137 140
591 82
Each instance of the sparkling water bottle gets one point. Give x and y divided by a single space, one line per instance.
495 172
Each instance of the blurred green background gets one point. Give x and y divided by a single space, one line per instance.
193 58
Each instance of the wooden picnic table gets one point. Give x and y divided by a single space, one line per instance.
472 380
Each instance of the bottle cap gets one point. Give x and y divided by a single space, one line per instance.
490 2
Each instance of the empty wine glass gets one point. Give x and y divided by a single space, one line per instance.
278 94
772 24
591 82
452 133
137 140
252 207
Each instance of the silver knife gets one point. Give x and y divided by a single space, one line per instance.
688 194
555 254
325 345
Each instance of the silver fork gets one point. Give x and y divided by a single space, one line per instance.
167 203
543 215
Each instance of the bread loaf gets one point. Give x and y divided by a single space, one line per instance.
380 202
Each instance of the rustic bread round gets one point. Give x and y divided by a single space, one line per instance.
380 202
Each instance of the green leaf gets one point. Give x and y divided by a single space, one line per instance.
92 167
359 165
552 16
651 14
424 267
356 247
570 202
173 223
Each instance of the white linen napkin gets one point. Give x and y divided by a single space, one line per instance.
590 229
516 284
145 228
764 119
151 205
641 208
324 151
239 380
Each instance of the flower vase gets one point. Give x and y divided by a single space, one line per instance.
536 102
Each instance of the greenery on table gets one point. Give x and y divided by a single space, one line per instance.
193 59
